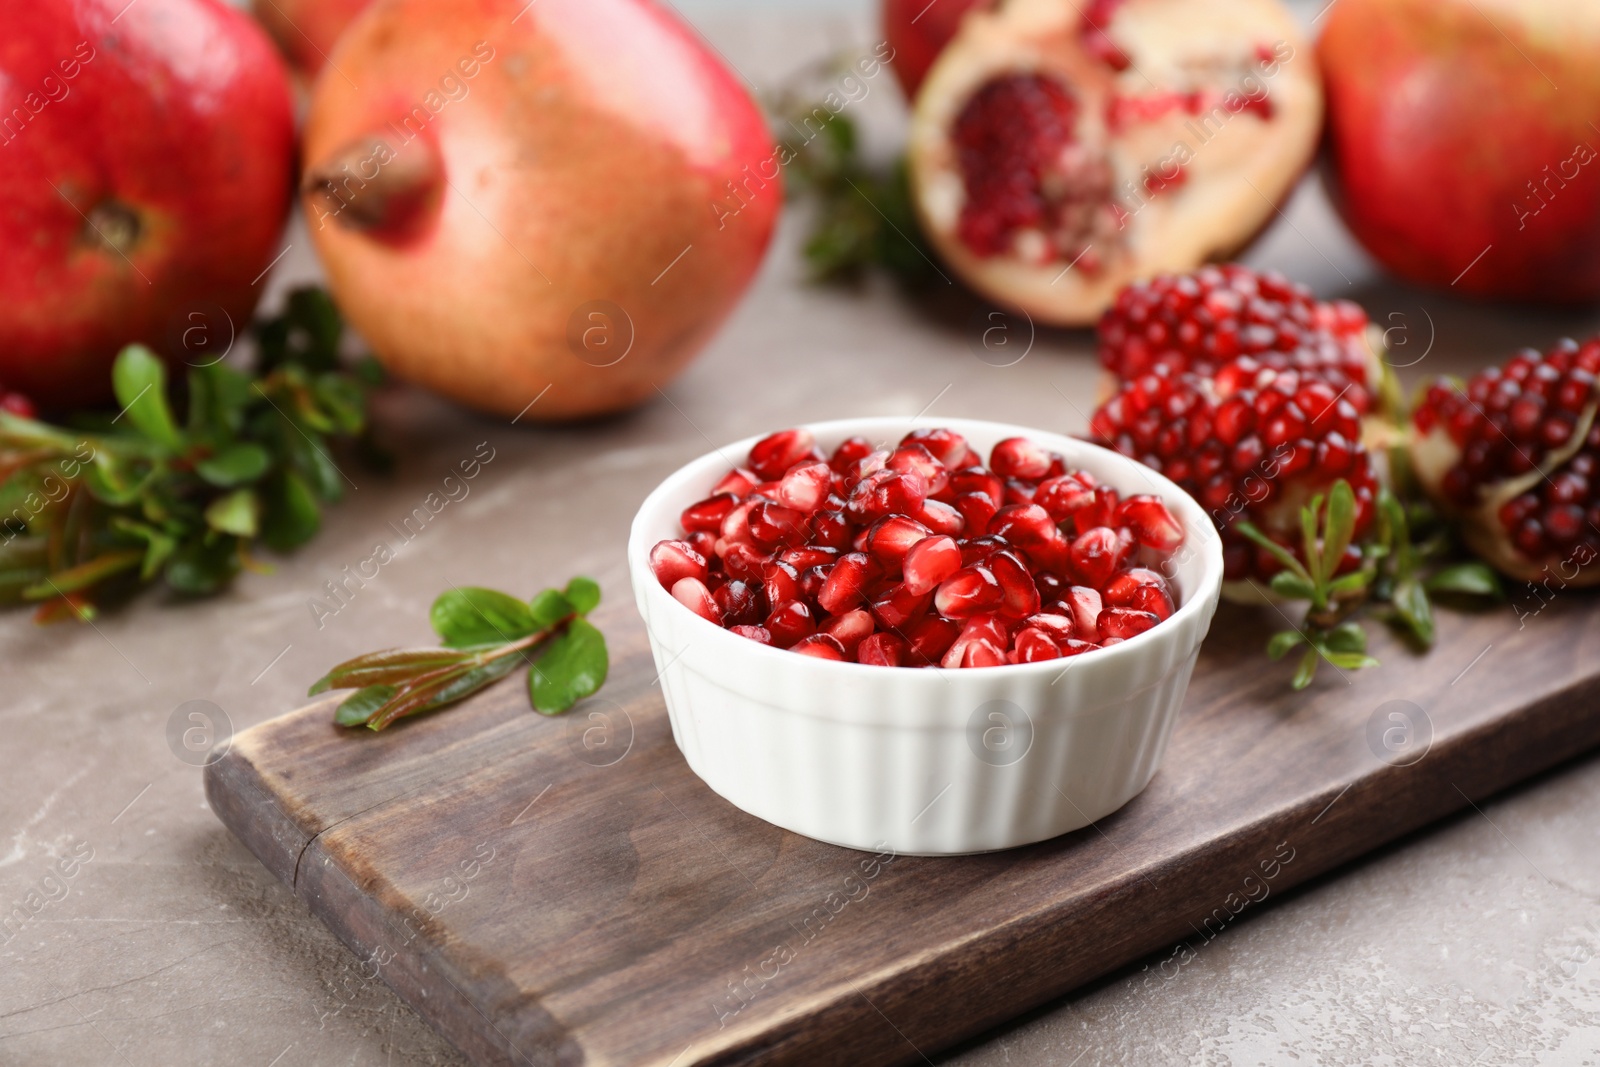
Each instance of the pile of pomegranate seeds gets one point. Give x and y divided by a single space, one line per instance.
921 556
1511 420
1247 393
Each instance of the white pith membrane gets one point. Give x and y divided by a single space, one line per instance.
1432 456
1237 166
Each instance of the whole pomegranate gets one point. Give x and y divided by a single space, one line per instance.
1515 454
1457 160
917 31
557 202
306 30
149 168
1060 150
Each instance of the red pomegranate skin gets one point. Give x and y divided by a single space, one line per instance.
148 170
1450 141
918 30
547 158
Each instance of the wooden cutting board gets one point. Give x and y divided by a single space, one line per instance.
565 891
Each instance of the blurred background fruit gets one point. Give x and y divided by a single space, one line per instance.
1060 151
306 30
918 32
572 198
1463 149
149 167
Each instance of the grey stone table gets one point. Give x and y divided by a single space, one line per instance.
1472 943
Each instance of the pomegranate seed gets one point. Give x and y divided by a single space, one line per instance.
891 537
1062 496
790 622
984 628
977 510
931 636
1029 527
1095 556
805 486
736 524
941 518
1058 628
850 452
740 604
703 543
780 582
672 561
916 459
1084 605
758 634
830 529
946 446
1018 457
846 583
773 455
1119 624
977 480
743 561
968 592
929 562
805 557
1101 509
882 650
1033 645
707 515
738 482
1021 596
1075 647
693 594
1145 590
897 606
819 646
773 525
811 583
850 629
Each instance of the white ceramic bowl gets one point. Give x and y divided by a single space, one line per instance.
925 761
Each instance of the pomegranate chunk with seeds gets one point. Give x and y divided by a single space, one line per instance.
919 555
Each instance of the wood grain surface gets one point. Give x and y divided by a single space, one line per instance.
566 891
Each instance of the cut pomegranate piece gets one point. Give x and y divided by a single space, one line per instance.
672 561
1516 455
968 592
882 650
693 594
1122 623
929 562
1059 151
774 454
820 646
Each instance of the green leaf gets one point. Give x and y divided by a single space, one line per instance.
1310 515
1350 583
1291 586
389 667
574 667
234 465
584 594
1307 669
446 689
477 616
1411 604
200 567
85 574
1346 637
1466 579
218 398
238 513
140 382
1278 552
1351 661
1339 528
358 707
290 514
550 607
1282 641
118 482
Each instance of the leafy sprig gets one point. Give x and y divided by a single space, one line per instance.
188 478
486 635
1398 571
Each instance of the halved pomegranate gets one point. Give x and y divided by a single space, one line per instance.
1060 150
1515 454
